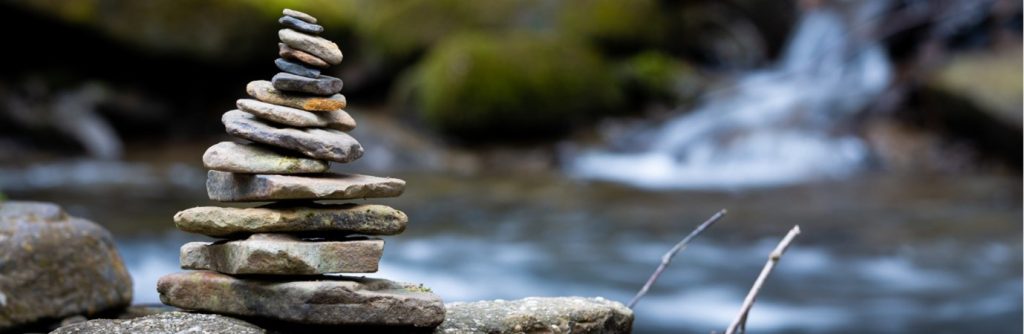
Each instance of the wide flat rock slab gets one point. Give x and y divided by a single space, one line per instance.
323 144
164 323
327 300
367 219
555 315
232 187
337 119
248 158
280 254
53 265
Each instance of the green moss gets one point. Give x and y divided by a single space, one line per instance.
614 23
653 75
511 85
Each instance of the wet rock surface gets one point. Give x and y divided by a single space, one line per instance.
53 265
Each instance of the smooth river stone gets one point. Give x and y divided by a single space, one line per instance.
322 85
323 144
282 254
264 91
368 219
337 119
325 300
286 52
299 15
231 187
246 158
300 25
296 68
314 45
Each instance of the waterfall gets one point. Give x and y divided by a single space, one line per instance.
775 126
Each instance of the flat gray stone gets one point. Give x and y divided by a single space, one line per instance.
231 187
264 91
164 323
337 119
301 56
300 25
538 315
248 158
282 254
296 68
322 85
314 45
325 144
299 15
366 219
54 266
325 300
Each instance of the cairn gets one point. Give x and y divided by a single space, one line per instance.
282 261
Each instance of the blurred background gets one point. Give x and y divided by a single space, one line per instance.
557 147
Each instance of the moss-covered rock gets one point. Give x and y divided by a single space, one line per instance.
515 85
655 76
614 24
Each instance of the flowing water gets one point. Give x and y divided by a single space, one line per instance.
776 126
879 253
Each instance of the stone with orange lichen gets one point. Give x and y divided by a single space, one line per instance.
264 91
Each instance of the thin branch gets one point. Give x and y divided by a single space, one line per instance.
740 324
667 258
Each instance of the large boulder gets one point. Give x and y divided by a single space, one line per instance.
53 266
538 315
165 323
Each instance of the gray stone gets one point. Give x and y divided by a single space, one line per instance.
325 300
164 323
323 85
247 158
230 187
288 53
53 265
264 91
325 144
296 68
299 15
283 254
300 25
367 219
337 119
538 315
314 45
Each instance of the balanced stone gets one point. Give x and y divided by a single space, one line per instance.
264 91
286 52
296 68
300 25
299 15
314 45
230 187
242 158
326 300
283 254
323 144
369 219
321 85
336 119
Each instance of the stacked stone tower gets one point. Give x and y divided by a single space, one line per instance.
283 260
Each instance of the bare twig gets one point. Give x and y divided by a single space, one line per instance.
740 324
667 258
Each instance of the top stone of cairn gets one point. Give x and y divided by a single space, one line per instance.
299 15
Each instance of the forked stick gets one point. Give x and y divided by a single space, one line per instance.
740 324
667 258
